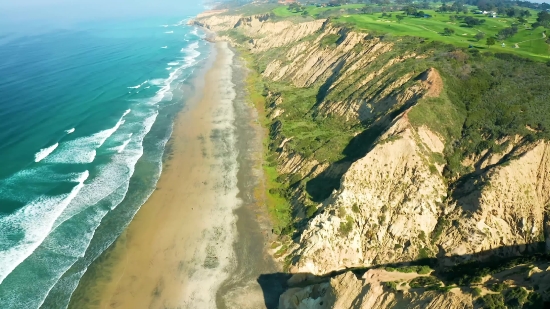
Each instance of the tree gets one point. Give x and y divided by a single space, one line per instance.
507 32
471 21
452 18
543 18
399 18
522 20
491 41
366 10
410 10
448 31
513 12
525 14
479 36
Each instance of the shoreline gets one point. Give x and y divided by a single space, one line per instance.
201 226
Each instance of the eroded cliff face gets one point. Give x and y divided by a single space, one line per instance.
507 211
369 292
393 204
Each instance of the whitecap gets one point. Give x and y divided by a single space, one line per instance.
33 223
44 152
164 47
124 144
156 82
70 131
173 63
138 86
169 68
169 32
83 150
165 26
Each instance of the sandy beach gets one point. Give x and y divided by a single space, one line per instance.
180 247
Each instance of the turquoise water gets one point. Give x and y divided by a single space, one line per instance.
85 115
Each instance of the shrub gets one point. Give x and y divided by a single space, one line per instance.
347 226
476 291
423 253
329 40
310 210
498 287
424 282
423 270
294 179
355 208
392 285
493 301
516 297
448 31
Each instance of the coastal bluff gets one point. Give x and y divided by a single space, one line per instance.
397 199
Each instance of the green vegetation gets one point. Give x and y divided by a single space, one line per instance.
346 226
460 30
422 270
391 285
493 301
516 297
329 40
467 274
425 282
498 287
283 11
476 291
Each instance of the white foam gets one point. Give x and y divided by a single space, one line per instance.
169 68
70 131
164 47
138 86
190 59
173 63
108 179
156 82
44 152
169 32
124 144
35 221
83 150
165 26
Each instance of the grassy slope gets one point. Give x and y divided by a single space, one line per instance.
531 43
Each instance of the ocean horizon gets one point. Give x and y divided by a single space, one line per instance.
85 117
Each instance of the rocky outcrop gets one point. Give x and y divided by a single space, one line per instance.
504 207
388 203
394 202
347 291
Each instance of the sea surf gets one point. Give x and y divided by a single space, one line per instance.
85 115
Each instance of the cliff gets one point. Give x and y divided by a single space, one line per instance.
376 142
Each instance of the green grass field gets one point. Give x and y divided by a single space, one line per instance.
313 10
530 43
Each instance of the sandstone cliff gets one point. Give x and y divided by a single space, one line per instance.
389 197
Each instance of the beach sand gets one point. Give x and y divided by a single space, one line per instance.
200 239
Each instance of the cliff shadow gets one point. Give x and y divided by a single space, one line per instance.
459 271
321 186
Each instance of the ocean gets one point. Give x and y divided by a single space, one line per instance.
85 116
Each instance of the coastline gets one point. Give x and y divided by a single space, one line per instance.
201 226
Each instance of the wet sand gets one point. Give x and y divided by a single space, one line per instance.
200 239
